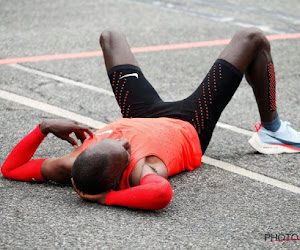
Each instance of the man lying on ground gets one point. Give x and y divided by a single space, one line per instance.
127 163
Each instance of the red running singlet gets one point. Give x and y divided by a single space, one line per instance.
174 141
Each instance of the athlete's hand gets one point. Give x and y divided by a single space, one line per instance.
62 129
99 198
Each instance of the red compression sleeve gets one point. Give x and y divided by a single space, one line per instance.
18 166
154 192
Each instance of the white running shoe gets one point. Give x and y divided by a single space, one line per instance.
284 140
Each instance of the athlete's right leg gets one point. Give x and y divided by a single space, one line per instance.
133 92
116 50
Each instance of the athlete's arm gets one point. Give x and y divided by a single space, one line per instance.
19 166
154 192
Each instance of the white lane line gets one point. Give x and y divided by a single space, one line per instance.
104 91
50 109
252 175
97 124
196 12
61 79
235 129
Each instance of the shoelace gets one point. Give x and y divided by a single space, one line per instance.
288 126
290 129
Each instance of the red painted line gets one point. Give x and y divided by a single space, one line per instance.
50 57
137 50
180 46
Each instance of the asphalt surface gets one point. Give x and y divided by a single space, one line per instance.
211 208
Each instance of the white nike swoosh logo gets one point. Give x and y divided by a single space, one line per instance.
105 132
132 74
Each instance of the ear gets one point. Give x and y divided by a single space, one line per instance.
75 188
100 198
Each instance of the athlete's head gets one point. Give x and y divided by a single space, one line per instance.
100 167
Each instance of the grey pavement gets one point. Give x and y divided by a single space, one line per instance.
211 208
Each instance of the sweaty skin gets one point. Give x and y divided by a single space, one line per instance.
147 165
59 169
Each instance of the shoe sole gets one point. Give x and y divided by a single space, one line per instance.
265 148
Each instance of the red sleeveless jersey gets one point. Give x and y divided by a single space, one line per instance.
174 141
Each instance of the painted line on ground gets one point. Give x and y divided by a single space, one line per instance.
195 9
146 49
252 175
97 124
61 79
50 109
235 129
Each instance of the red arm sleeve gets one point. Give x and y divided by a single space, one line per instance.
154 192
18 166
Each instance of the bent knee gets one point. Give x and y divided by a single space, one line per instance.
255 37
108 35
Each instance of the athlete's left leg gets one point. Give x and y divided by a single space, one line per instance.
249 51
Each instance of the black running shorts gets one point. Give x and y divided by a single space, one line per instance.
137 98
